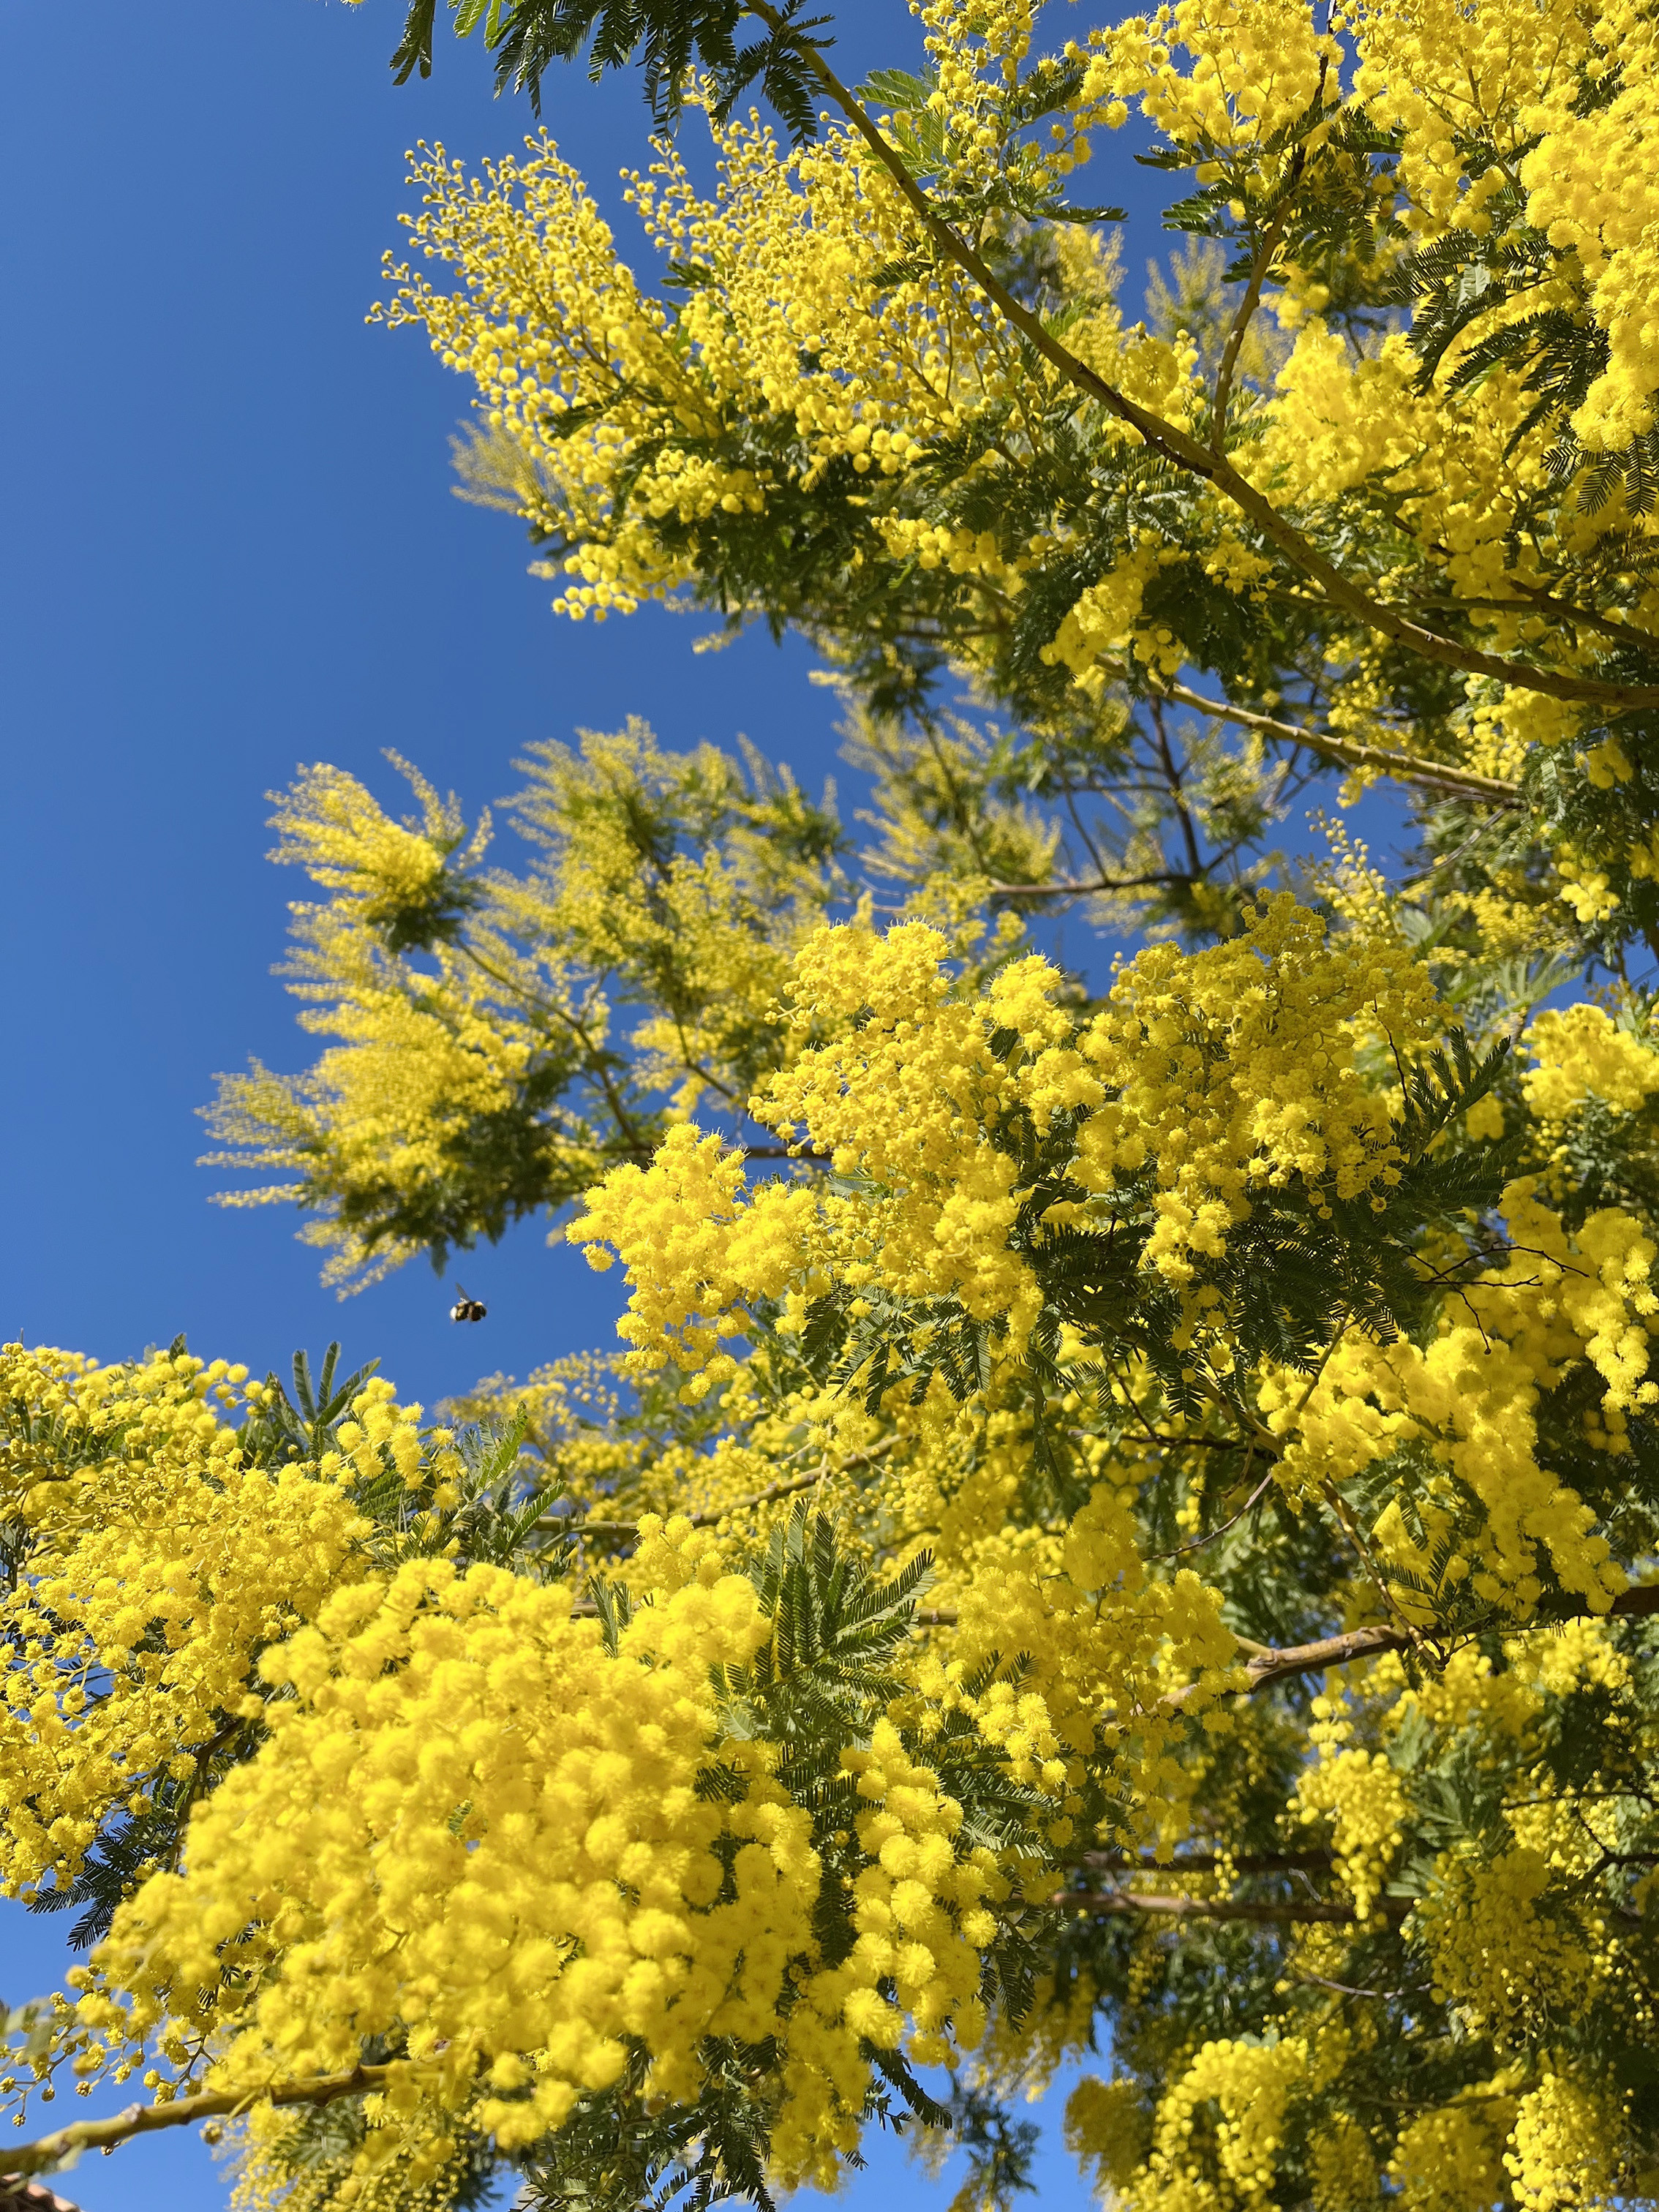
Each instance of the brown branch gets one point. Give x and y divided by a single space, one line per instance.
1186 451
208 2104
1270 1664
1078 887
1538 601
1249 304
1405 768
1266 1910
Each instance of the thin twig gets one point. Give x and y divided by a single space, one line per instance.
1249 304
1345 1988
1535 601
1199 1542
1312 1861
1076 887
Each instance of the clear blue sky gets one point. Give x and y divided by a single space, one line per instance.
230 546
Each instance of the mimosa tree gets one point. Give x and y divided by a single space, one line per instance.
1123 1535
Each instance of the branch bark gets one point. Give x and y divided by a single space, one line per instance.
47 2151
1278 1663
1405 768
1247 306
1076 887
1186 451
1266 1910
1640 1602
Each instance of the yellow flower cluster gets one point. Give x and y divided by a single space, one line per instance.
381 1431
1106 621
1343 2167
696 1244
1566 2146
1451 2158
1438 71
1360 1793
158 1565
785 320
1580 1052
1235 1068
1470 1394
819 330
1105 1643
935 545
551 325
1506 1965
465 1775
1252 2087
336 829
1455 464
976 47
1252 69
710 920
282 2167
1450 75
1585 888
1335 422
1591 187
530 373
657 877
410 1072
920 1912
1227 1070
1106 2129
477 1831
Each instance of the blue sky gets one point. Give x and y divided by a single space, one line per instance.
230 546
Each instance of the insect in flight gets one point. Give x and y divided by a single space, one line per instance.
466 1308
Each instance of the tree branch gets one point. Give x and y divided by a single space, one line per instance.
1248 305
1185 451
208 2104
1536 601
1074 887
1406 767
1277 1664
1267 1910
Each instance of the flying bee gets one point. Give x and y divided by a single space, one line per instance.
466 1308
